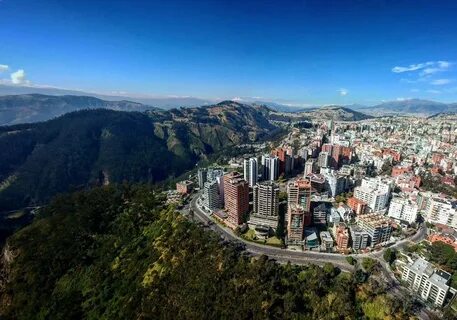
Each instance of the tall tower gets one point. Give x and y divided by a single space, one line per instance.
299 209
250 171
270 168
236 198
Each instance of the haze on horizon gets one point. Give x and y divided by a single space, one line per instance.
293 52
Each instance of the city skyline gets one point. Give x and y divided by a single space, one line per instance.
295 53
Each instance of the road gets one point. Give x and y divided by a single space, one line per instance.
281 255
300 257
318 258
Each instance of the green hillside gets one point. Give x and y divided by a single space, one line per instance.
119 253
95 147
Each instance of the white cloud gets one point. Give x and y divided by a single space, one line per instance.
18 77
403 99
343 92
434 91
3 67
429 67
411 67
440 82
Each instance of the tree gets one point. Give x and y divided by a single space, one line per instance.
360 276
390 255
282 196
351 260
369 264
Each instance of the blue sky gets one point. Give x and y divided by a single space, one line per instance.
299 52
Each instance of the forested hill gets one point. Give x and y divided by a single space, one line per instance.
28 108
93 147
119 253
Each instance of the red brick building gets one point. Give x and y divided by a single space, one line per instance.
342 237
184 187
236 198
396 156
357 205
399 170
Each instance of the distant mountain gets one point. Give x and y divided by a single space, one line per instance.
102 146
337 113
279 107
159 102
451 115
29 108
411 106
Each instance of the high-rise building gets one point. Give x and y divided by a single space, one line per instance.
265 205
430 284
202 177
214 173
236 198
403 209
285 160
320 214
360 239
375 192
378 228
335 183
338 154
250 171
310 167
323 160
299 209
270 166
211 197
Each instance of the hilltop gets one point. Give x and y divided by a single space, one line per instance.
28 108
93 147
336 113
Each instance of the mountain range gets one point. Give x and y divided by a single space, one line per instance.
163 102
92 147
29 108
409 106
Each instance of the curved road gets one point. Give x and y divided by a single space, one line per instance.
302 257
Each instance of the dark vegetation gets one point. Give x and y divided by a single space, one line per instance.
433 183
119 253
97 147
445 256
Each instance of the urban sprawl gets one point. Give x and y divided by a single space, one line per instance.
346 189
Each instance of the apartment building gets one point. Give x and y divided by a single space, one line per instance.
265 206
403 209
236 198
430 284
377 226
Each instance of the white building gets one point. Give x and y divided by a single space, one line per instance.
265 207
443 211
270 166
403 209
334 182
430 284
375 192
211 196
250 171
